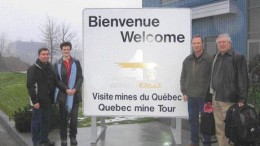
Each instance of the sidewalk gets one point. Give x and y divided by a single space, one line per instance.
10 129
145 134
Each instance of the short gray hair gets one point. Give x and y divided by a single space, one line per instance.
224 35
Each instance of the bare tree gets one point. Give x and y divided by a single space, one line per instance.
54 34
50 32
9 50
66 33
2 44
5 46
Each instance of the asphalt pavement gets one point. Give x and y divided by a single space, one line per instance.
145 134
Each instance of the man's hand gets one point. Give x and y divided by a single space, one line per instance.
240 103
70 91
74 91
185 98
36 105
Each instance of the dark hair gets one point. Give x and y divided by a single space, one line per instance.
197 36
65 44
42 49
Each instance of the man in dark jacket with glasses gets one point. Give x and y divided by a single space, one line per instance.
229 83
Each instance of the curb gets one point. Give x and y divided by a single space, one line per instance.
10 128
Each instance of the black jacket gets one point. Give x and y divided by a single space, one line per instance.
230 77
41 83
62 84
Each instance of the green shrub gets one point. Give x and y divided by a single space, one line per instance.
254 78
22 118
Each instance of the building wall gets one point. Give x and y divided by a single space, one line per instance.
254 19
151 3
234 24
253 31
187 3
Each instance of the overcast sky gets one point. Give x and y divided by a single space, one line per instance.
22 19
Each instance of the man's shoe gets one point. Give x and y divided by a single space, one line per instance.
73 141
64 143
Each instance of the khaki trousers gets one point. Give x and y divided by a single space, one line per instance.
219 111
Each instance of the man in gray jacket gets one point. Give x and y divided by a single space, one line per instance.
229 83
195 79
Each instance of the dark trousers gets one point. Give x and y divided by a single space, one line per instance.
195 106
71 118
40 124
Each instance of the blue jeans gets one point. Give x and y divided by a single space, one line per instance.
40 124
195 106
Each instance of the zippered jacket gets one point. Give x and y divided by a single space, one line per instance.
41 83
195 75
230 77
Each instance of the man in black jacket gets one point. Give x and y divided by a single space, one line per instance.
228 84
68 95
41 85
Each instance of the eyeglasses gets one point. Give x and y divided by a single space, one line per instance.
222 42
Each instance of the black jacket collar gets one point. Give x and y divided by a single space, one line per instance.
41 65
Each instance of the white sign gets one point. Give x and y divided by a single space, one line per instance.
132 61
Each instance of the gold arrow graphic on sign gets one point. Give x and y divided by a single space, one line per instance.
138 65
